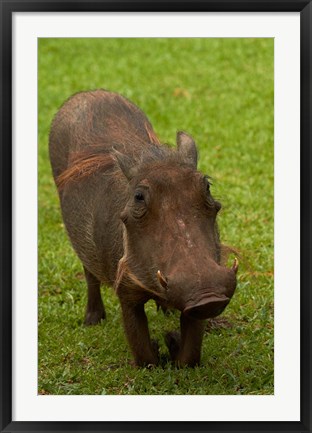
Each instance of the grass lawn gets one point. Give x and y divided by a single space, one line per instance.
221 92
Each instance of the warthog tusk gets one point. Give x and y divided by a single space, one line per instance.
162 280
235 265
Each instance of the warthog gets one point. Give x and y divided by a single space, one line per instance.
141 218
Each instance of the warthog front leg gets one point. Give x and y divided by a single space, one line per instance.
95 307
144 350
185 347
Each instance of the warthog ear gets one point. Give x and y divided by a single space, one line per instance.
125 164
187 148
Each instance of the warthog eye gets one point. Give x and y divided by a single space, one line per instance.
139 197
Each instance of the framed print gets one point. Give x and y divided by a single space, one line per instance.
155 184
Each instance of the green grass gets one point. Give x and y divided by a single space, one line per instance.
221 92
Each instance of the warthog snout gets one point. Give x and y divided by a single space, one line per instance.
202 303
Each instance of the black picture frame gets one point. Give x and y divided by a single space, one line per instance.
7 8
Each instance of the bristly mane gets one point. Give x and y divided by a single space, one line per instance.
87 162
139 143
83 164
